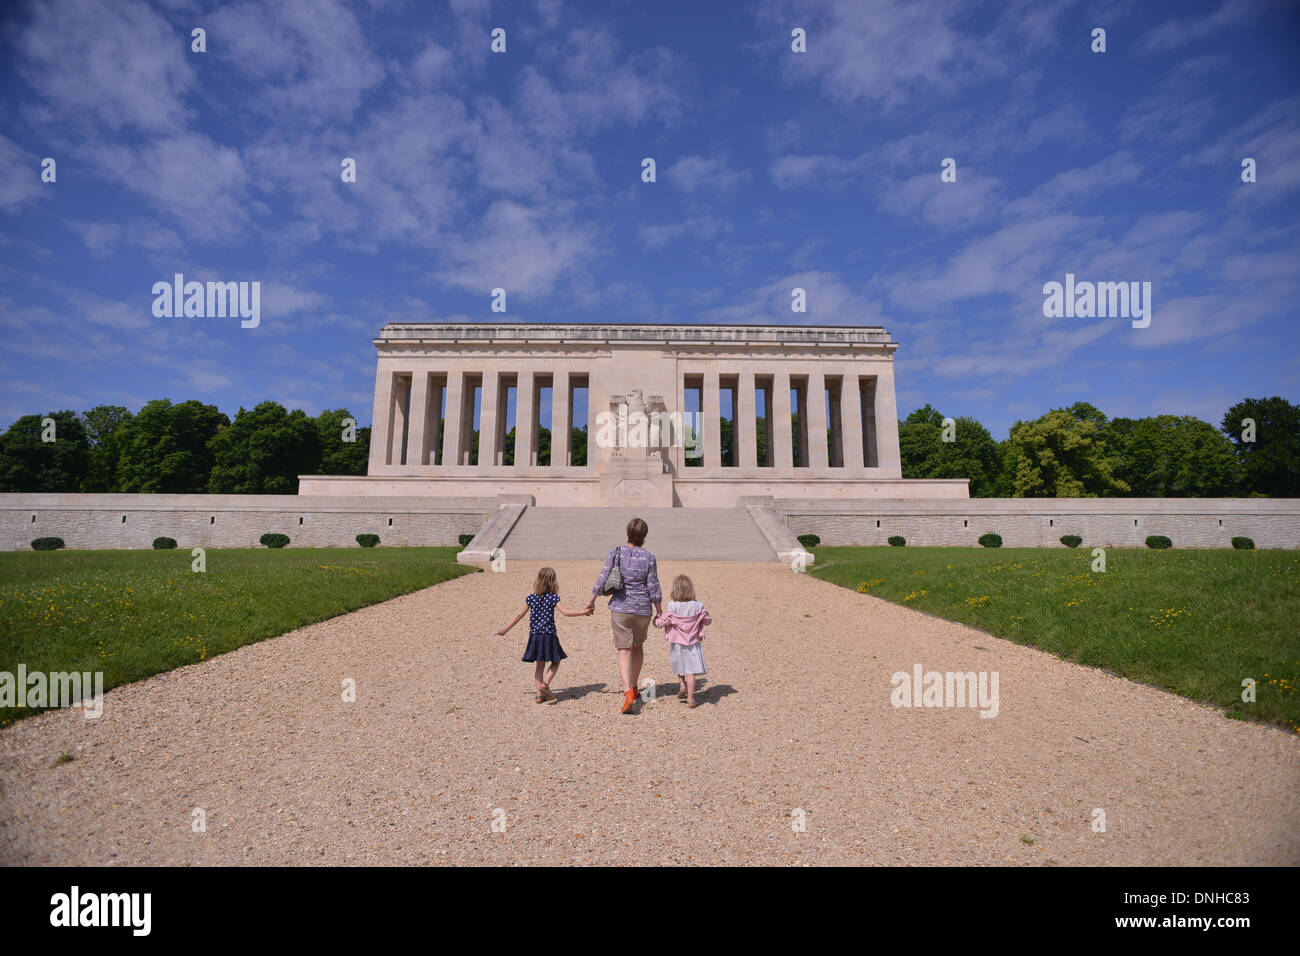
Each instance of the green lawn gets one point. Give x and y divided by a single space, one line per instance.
1193 622
132 614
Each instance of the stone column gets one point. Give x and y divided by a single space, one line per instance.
711 404
453 440
746 429
851 421
525 421
782 434
560 412
381 419
817 419
418 448
401 406
887 423
489 450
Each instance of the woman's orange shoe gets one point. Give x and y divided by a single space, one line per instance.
629 699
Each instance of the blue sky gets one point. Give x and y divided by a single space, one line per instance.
775 170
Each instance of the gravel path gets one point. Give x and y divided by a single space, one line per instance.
796 715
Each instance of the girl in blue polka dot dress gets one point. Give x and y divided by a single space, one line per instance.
543 642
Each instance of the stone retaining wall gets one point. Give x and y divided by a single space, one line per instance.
234 521
1040 522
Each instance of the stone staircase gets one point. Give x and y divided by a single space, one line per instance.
709 534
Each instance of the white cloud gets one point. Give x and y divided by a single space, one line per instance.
310 56
514 248
830 301
21 181
114 63
692 173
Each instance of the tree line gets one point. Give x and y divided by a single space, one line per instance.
191 448
1077 452
184 448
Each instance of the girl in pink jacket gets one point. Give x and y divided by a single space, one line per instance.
683 622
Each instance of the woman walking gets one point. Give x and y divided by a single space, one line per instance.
631 605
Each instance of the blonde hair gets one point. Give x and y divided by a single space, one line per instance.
546 582
683 588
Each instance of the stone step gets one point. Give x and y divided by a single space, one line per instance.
699 534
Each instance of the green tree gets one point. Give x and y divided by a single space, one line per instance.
543 449
263 451
1270 465
971 454
339 457
578 446
28 463
1004 482
726 439
103 425
1064 454
165 447
1171 456
543 446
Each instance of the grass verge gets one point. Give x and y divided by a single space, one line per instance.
132 614
1197 623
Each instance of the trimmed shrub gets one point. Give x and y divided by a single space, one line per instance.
367 540
164 544
273 540
991 540
1159 542
1243 544
466 539
809 540
47 544
897 541
1071 540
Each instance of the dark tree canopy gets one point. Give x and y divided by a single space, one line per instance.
338 456
1270 465
263 451
166 447
29 463
103 425
972 453
1172 456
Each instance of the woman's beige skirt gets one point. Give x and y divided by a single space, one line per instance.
629 629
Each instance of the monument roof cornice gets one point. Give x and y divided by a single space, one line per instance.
501 333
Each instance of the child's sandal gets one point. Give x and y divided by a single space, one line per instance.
546 694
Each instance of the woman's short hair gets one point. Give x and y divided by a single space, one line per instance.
636 531
546 582
683 588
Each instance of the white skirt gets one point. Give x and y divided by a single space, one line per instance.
686 659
